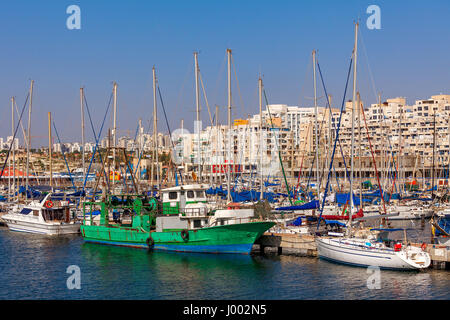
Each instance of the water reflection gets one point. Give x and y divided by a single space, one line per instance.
34 267
165 274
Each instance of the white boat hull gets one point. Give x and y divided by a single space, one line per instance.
337 250
410 213
21 224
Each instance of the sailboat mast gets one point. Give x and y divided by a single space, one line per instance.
400 157
197 102
434 152
355 56
82 133
360 150
260 85
14 146
9 169
155 127
114 132
229 127
316 126
140 146
216 157
50 149
182 143
28 133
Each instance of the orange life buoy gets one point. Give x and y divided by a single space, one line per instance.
48 204
423 246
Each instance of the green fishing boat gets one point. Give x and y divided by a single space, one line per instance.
182 222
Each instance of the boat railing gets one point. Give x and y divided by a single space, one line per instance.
194 212
218 221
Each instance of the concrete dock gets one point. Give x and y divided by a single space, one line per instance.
285 243
440 256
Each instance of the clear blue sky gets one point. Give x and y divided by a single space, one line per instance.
121 41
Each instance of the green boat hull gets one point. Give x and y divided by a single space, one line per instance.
233 238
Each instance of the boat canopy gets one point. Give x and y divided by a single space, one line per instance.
307 206
335 222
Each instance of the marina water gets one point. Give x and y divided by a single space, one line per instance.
35 267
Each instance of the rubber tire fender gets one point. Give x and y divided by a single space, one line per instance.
185 234
150 242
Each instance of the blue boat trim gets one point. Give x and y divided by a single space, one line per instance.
232 248
358 254
361 265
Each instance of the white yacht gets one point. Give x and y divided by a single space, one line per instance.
43 217
410 211
370 250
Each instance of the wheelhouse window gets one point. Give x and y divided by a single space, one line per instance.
197 223
173 195
25 211
200 194
190 194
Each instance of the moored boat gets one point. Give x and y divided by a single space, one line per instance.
177 226
42 217
365 252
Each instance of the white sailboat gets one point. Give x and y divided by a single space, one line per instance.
370 252
364 248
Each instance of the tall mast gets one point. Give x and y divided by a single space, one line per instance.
316 126
382 159
9 166
82 133
28 133
448 177
197 102
14 146
155 127
50 149
182 142
355 57
140 146
261 141
216 157
229 127
330 120
360 150
434 148
400 158
114 132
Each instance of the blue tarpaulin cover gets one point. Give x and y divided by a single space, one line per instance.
343 198
335 222
444 223
307 206
297 222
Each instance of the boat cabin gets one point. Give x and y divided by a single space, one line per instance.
184 207
184 199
